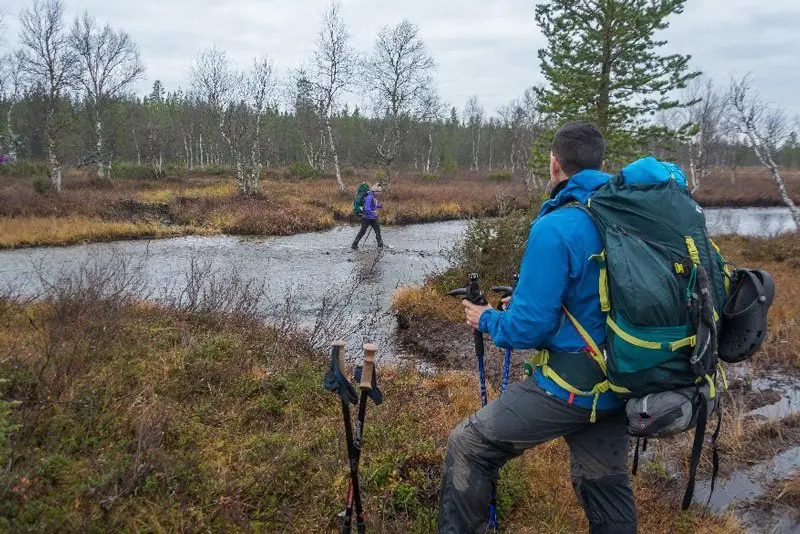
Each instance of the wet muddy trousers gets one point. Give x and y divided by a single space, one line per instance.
526 416
366 223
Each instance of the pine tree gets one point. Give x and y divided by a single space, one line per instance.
602 63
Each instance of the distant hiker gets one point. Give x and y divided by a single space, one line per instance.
557 274
369 217
358 202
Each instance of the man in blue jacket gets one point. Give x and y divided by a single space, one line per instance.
557 278
369 218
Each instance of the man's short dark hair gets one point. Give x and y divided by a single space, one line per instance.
579 146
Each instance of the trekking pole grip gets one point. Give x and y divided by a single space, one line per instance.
338 346
367 369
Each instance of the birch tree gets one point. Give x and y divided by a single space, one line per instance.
109 64
397 75
334 68
766 129
707 118
239 100
473 118
309 121
48 60
431 113
10 93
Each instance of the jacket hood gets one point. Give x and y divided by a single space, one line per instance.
578 189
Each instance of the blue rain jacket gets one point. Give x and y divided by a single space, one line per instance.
556 270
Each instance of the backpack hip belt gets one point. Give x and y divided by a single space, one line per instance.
575 368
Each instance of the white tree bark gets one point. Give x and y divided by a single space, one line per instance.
98 130
765 129
108 63
334 154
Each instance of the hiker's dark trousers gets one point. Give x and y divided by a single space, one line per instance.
366 223
526 416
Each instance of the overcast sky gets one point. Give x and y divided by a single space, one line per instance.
482 47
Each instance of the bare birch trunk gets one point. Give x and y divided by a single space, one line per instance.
335 154
138 153
430 152
98 130
200 146
55 167
12 137
766 159
191 153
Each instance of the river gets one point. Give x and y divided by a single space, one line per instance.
309 269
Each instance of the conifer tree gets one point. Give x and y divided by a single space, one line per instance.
603 63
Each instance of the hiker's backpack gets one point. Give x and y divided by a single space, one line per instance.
358 202
663 283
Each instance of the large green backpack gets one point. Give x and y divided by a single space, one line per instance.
358 202
662 282
657 259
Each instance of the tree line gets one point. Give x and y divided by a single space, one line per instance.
66 96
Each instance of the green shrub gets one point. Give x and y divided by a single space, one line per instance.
24 168
430 177
303 171
500 176
130 171
217 170
42 184
491 247
348 172
449 165
380 176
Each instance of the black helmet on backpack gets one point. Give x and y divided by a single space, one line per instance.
744 318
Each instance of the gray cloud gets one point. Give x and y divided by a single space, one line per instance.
487 48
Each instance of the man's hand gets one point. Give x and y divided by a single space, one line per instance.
474 313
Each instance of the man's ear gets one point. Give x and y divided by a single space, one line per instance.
555 165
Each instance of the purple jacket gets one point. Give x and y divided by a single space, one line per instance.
371 207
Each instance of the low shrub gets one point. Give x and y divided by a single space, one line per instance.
348 172
428 177
131 171
303 171
24 168
216 170
491 247
500 176
42 184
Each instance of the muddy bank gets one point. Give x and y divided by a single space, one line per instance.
448 347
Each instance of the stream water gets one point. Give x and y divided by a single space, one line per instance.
310 268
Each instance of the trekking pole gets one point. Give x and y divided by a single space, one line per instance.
366 377
473 294
505 291
336 382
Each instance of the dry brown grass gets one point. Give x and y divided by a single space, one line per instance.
39 231
753 187
789 492
779 256
426 301
210 204
179 422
